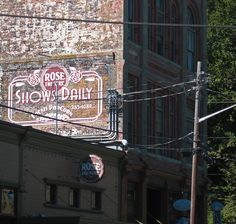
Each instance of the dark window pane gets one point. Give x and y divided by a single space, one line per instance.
51 193
96 200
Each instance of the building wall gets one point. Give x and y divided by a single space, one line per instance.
37 35
157 162
10 163
48 159
31 37
146 66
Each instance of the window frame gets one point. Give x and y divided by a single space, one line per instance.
191 41
96 200
134 15
74 197
133 111
51 194
174 32
156 34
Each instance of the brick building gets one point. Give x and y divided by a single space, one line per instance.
160 63
73 68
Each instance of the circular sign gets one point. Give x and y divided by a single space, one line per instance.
92 169
182 205
52 76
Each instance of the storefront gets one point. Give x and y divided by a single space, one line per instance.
49 176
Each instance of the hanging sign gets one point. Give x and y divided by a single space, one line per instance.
92 169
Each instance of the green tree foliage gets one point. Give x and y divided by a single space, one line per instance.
222 93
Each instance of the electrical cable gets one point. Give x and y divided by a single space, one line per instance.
127 94
105 98
92 127
159 88
51 118
210 90
168 142
222 102
157 97
223 26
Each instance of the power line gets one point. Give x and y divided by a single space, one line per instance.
218 137
169 142
96 128
124 94
157 97
102 98
222 102
157 89
60 120
214 91
116 22
51 118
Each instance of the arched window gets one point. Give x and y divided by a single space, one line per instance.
134 15
191 41
174 33
156 14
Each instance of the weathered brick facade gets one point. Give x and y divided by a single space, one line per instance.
64 33
27 37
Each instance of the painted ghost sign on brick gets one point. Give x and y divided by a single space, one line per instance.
55 85
45 97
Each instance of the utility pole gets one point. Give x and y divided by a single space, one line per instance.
195 146
196 140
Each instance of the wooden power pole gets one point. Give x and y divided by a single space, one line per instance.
195 147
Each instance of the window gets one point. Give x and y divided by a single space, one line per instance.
174 33
96 200
191 41
160 120
7 201
134 15
156 33
74 196
151 116
172 118
133 111
51 193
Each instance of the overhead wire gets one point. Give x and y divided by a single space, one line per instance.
157 97
223 26
55 119
165 143
126 94
91 127
159 88
221 94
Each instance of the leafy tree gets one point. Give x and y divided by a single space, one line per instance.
222 93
